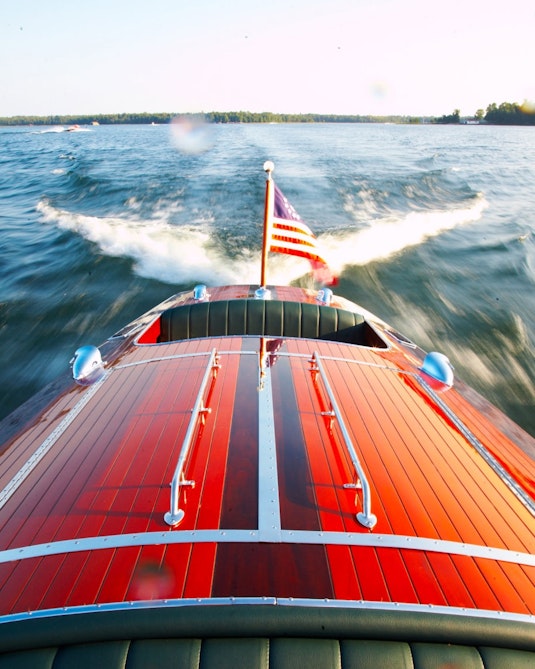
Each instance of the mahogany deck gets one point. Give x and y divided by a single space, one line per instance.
104 488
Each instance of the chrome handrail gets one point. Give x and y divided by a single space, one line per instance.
364 517
175 515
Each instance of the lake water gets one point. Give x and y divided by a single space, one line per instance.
430 227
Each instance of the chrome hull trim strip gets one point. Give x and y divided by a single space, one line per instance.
49 442
426 609
267 536
509 481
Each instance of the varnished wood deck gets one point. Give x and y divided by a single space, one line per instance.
106 483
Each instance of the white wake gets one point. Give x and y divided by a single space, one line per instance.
189 253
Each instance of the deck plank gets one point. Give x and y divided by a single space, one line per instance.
298 495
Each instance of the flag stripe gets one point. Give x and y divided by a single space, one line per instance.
285 224
296 238
297 251
289 247
293 234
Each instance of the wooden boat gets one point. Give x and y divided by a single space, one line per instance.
256 476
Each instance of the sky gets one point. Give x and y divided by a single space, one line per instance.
378 57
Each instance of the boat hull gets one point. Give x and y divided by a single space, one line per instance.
286 468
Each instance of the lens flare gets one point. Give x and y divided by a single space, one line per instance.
191 134
152 581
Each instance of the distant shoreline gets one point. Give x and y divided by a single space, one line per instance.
211 117
505 114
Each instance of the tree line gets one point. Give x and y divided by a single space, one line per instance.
510 113
85 119
507 113
210 117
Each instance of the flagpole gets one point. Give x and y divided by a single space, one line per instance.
268 209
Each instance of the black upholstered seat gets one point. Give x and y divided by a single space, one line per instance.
264 637
273 318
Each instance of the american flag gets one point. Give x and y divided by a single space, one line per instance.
289 234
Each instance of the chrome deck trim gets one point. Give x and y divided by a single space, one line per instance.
427 609
179 356
350 361
169 537
286 354
49 442
269 519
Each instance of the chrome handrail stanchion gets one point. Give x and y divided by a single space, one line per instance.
364 517
175 515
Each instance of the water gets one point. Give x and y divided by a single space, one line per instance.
432 228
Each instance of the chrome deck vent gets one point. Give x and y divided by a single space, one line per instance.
325 296
200 293
262 293
438 367
87 365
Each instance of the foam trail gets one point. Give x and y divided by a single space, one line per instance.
55 129
387 237
182 254
381 240
160 251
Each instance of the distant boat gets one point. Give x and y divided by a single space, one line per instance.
265 476
77 128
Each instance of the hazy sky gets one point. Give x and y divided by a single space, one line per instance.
415 57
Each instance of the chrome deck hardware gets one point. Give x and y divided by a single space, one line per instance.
200 293
87 365
325 296
198 414
364 517
262 293
438 367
